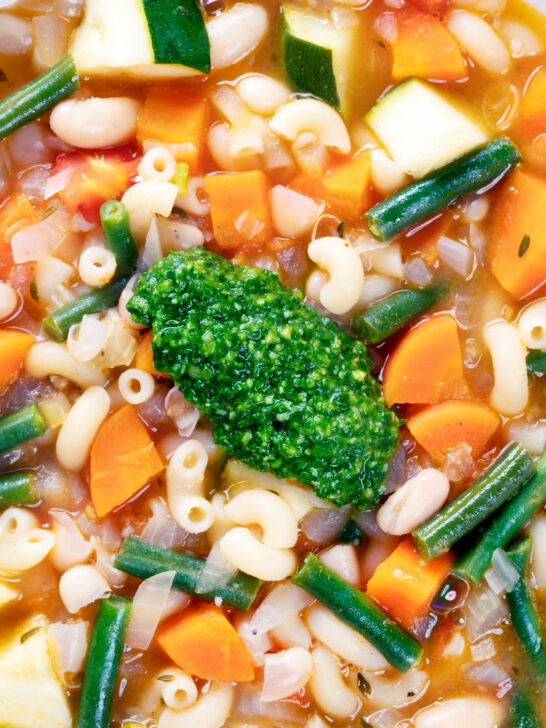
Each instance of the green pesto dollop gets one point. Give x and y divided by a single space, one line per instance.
287 391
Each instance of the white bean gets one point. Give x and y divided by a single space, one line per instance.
80 586
328 687
537 530
262 94
387 176
157 164
470 711
532 325
520 39
414 502
97 266
310 116
343 559
314 285
80 428
95 122
480 41
236 33
47 358
8 301
177 235
293 214
243 550
511 389
342 262
136 386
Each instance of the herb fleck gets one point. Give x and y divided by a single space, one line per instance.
34 290
49 211
166 678
341 229
524 245
27 635
363 685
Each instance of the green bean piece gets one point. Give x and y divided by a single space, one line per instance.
32 100
385 318
118 237
536 362
358 611
143 560
499 482
102 663
441 187
473 562
522 612
523 713
17 489
22 425
58 324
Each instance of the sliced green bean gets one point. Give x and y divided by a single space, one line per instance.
102 663
143 560
358 611
32 100
19 426
118 237
536 362
522 612
474 561
17 489
523 713
441 187
58 324
385 318
499 482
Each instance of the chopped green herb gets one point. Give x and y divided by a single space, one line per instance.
166 678
180 178
341 229
27 635
524 245
363 685
49 211
34 290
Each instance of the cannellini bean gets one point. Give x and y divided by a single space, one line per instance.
342 262
82 585
262 94
470 711
511 389
309 116
387 176
414 502
480 41
236 33
8 301
314 285
80 428
94 123
343 560
537 529
293 214
520 39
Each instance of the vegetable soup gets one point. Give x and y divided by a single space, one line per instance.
272 364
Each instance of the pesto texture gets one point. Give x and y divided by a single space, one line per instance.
287 391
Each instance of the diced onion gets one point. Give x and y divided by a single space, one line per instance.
249 706
484 611
286 673
148 605
164 531
183 414
388 718
57 182
282 602
54 409
396 474
35 242
456 255
88 338
68 644
323 525
487 673
416 271
483 650
257 643
152 250
216 572
365 520
502 576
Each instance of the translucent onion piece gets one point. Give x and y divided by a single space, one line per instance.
456 255
416 271
282 602
183 414
87 339
257 643
483 650
35 242
323 525
68 644
249 706
286 673
487 673
502 577
57 182
484 611
148 605
216 572
164 531
389 718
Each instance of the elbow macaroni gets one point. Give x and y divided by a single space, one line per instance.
328 687
270 512
342 262
185 487
81 426
210 711
146 199
22 544
47 358
511 389
244 551
532 325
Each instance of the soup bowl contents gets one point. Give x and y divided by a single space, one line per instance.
272 361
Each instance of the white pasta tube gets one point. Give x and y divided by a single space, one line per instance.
328 687
342 262
532 325
511 389
267 510
210 711
25 552
146 199
48 358
82 585
81 426
136 386
157 164
180 691
185 487
243 550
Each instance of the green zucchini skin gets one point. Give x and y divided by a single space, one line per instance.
499 482
178 33
383 319
473 562
358 611
17 489
34 99
22 425
102 663
440 188
143 560
536 362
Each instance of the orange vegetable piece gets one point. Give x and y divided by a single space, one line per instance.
239 207
431 6
519 211
426 366
404 585
442 427
175 117
423 239
204 643
421 46
144 358
15 213
13 349
123 460
532 114
349 187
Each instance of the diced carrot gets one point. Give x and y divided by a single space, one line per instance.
426 366
404 585
144 358
531 119
205 644
123 460
15 213
519 212
423 239
431 6
442 427
178 118
239 207
349 187
421 46
13 348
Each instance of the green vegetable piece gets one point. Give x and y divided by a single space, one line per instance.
178 33
287 390
118 237
524 245
19 426
381 320
524 618
143 560
34 99
499 482
358 611
102 663
523 713
472 563
180 178
17 489
350 533
441 187
58 324
536 362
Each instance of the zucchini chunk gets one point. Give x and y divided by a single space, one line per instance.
421 128
317 56
142 38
